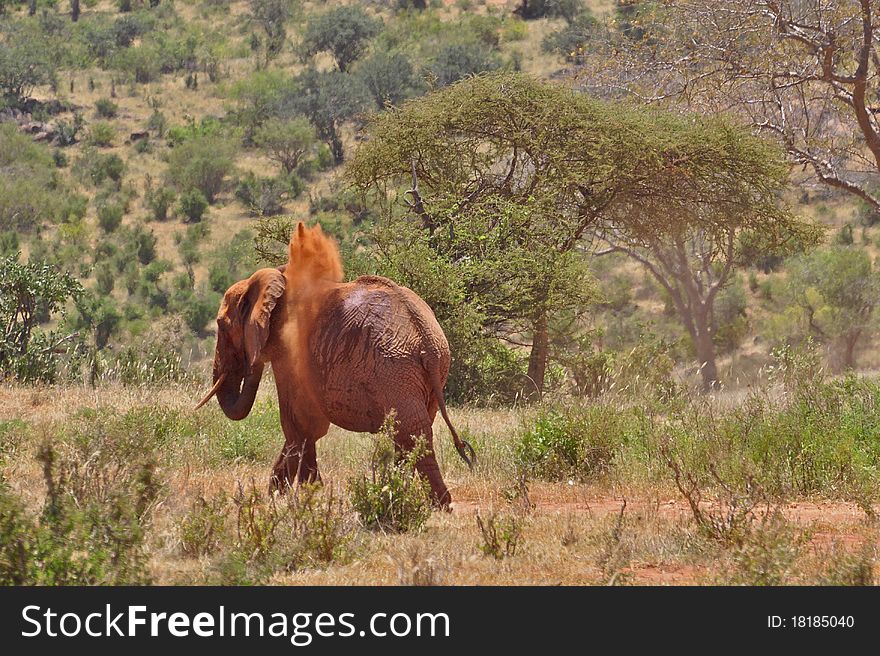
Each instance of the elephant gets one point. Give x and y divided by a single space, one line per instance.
343 353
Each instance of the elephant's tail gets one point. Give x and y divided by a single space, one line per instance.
465 450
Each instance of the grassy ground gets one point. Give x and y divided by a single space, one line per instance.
776 494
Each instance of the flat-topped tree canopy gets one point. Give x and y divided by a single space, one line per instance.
583 160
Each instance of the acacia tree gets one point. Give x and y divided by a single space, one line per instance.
327 99
803 72
579 168
31 293
344 32
272 16
286 141
837 290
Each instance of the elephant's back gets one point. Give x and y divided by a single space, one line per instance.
375 342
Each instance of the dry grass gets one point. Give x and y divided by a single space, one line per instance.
572 533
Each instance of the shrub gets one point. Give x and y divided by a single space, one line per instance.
572 41
262 196
459 60
501 534
394 498
106 108
97 167
575 442
286 141
201 528
201 163
110 216
307 528
390 78
159 202
342 31
192 205
91 529
101 135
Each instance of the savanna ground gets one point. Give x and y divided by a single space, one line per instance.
778 487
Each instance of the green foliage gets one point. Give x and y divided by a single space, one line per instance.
837 289
457 61
394 497
287 141
263 196
147 361
203 164
106 108
192 205
201 528
534 9
26 62
31 188
230 262
27 293
110 216
159 202
97 167
256 99
327 99
343 31
730 317
576 442
390 78
572 41
208 126
101 487
272 16
309 527
501 535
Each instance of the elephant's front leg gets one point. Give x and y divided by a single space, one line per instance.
298 458
296 462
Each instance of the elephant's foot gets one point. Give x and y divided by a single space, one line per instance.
442 501
279 483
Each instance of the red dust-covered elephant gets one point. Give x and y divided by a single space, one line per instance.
341 353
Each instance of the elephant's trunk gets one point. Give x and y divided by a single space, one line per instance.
234 389
237 399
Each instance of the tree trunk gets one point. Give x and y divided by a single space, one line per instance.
336 147
849 354
538 360
705 348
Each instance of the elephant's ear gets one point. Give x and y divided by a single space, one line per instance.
267 288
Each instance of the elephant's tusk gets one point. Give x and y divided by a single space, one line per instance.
212 392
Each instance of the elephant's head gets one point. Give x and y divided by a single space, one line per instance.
242 330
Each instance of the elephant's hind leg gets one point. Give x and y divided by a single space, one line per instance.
411 426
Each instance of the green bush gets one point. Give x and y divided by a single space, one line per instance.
159 202
96 167
192 205
99 496
201 163
101 135
263 196
459 60
577 442
110 216
395 497
202 528
32 190
309 527
106 108
344 32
